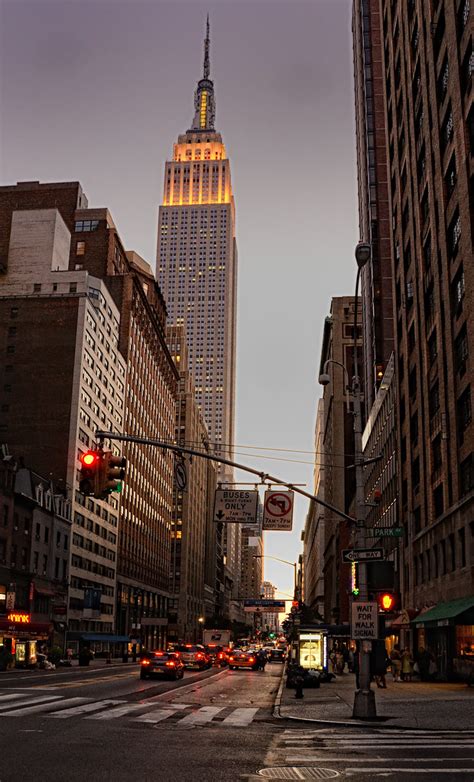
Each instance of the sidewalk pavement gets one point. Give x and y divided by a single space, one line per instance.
426 706
97 662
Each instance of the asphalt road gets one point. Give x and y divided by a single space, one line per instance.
104 723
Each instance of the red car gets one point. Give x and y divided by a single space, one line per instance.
163 664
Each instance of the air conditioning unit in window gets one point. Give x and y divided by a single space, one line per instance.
78 267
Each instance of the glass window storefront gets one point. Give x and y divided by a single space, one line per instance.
465 641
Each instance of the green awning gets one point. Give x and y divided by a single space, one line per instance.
445 611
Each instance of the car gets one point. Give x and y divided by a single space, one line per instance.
194 656
237 659
162 664
277 656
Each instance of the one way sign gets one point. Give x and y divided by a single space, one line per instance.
362 554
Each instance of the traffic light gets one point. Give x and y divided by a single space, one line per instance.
112 473
91 462
388 601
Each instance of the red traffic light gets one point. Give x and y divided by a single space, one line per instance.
89 458
387 601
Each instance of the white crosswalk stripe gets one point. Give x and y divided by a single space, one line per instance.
200 717
22 704
240 717
376 751
41 708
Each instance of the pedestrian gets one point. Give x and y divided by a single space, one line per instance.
339 662
424 660
350 661
378 663
396 662
407 663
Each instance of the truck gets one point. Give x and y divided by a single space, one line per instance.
216 638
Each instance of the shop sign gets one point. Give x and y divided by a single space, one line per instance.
11 600
59 608
20 618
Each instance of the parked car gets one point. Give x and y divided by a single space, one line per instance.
237 659
162 664
194 656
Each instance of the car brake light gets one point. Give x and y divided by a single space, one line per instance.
159 654
145 662
171 664
251 659
231 658
199 656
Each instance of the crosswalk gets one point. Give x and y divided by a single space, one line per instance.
377 750
147 711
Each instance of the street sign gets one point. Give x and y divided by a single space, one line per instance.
384 532
364 621
235 506
278 510
180 476
362 554
265 606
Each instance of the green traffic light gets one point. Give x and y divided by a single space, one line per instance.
355 592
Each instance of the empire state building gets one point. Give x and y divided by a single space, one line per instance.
197 260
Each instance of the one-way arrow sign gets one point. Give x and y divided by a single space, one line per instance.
362 554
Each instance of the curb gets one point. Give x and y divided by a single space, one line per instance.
338 723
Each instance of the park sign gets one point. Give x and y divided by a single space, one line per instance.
265 606
364 621
235 506
384 532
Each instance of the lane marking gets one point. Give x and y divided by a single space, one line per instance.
12 697
205 714
86 707
240 717
43 707
299 759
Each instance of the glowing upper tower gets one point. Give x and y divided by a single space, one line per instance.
197 259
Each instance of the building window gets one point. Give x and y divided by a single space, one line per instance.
432 348
433 399
466 475
438 501
436 453
80 248
37 287
457 292
463 408
86 225
461 351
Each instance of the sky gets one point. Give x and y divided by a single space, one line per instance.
98 91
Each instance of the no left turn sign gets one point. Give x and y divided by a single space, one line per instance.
278 510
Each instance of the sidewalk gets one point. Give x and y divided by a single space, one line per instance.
426 706
97 662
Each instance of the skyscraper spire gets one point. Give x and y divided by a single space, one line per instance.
204 104
207 42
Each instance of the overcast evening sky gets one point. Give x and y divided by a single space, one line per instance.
98 92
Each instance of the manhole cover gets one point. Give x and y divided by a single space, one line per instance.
298 772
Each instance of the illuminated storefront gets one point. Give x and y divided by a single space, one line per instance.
23 638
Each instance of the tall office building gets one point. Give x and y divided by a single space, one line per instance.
197 272
427 60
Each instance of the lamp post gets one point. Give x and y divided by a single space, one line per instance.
364 698
201 621
286 562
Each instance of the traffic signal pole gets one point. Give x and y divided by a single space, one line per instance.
364 698
130 438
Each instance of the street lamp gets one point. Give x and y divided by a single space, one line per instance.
286 562
364 699
201 621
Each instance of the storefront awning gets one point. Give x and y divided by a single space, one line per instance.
113 639
447 612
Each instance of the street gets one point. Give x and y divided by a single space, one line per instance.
213 726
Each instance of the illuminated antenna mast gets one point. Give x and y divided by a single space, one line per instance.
207 67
